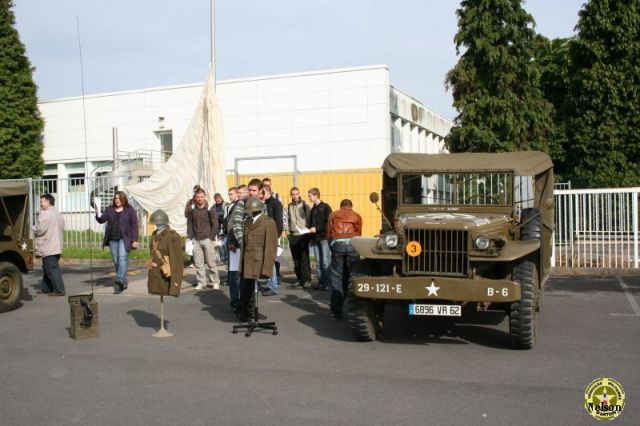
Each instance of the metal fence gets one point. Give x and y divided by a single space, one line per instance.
73 198
596 228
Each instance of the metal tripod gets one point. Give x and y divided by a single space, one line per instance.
254 323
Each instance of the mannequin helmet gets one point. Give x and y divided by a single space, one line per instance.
159 217
253 205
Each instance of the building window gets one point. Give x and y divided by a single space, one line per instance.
76 182
166 144
49 184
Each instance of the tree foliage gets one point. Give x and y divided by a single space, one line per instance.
496 82
552 58
602 111
21 126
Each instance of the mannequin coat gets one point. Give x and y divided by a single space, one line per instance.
260 247
169 243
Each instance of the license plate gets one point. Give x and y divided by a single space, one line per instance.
435 310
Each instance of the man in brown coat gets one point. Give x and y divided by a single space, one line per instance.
259 252
165 245
342 225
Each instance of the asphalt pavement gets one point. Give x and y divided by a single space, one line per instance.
425 371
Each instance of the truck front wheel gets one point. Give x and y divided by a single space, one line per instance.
366 317
10 286
522 324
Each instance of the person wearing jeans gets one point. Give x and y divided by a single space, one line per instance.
343 225
318 218
120 234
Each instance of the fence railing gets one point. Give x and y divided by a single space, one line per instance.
73 197
596 228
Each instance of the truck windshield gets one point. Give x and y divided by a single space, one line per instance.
492 189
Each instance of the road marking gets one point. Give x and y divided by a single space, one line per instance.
632 301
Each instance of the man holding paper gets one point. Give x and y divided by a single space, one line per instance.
299 238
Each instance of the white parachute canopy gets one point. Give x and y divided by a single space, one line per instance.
198 160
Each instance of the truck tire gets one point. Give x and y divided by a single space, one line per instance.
522 324
366 317
10 286
532 230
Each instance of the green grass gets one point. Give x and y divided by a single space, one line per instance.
97 253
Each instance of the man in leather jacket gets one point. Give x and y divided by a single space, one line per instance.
342 225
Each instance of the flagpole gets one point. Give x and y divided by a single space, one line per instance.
213 42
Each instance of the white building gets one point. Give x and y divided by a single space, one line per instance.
342 119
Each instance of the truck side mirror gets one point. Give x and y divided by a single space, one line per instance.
374 197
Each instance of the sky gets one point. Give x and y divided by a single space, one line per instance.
136 44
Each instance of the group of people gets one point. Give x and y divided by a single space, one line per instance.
311 229
244 232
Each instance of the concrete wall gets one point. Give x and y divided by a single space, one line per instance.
331 120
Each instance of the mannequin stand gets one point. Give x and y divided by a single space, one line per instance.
254 323
163 331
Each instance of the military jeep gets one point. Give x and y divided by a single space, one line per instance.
460 231
16 248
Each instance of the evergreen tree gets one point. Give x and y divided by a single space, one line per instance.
496 82
603 107
552 58
21 126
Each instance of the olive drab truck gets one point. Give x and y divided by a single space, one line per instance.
469 230
16 248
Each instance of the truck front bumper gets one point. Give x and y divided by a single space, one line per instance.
436 288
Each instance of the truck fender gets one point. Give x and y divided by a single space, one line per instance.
365 247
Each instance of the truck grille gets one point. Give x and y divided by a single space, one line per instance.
444 253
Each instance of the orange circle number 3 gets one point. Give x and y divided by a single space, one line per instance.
413 248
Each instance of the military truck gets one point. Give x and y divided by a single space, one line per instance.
460 231
16 248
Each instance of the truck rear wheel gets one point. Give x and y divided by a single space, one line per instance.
522 324
532 230
366 317
10 286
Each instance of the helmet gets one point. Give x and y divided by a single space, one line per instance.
159 217
253 205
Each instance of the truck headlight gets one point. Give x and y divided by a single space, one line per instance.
482 242
391 241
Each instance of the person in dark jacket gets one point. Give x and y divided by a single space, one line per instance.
318 218
275 212
220 207
120 234
202 228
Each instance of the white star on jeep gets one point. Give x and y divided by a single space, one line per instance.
433 290
24 246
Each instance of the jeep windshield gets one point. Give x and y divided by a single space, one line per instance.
481 189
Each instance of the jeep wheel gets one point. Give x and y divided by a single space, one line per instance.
532 230
522 324
10 286
366 317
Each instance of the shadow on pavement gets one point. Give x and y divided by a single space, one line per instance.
216 303
318 318
146 319
474 327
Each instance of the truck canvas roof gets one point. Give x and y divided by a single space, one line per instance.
527 163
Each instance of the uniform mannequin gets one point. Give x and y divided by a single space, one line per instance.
166 245
165 242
